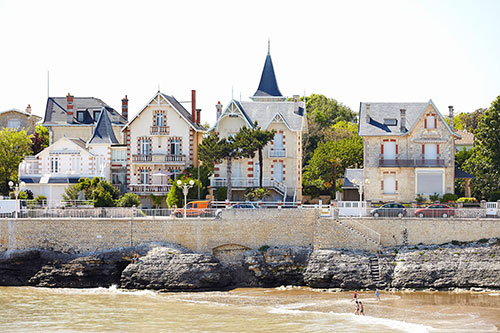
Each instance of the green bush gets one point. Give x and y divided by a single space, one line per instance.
467 200
419 198
40 199
494 196
434 197
449 197
221 194
129 200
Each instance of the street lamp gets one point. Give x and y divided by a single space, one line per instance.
185 189
17 188
361 189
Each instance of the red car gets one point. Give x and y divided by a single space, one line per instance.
437 210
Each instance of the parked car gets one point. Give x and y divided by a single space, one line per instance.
246 205
389 210
438 210
198 208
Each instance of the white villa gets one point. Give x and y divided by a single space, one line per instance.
282 169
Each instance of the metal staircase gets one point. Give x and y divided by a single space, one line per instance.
375 271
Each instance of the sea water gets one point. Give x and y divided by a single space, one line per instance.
289 309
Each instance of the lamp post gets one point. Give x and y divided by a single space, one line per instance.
17 188
361 188
185 189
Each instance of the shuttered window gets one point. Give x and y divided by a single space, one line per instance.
430 182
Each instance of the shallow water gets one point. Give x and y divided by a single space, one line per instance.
244 310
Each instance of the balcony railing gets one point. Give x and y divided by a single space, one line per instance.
142 158
248 183
412 163
160 158
277 152
160 130
149 189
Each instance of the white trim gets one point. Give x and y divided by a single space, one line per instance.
225 113
280 115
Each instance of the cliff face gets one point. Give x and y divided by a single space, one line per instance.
170 267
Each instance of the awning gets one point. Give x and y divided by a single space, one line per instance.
462 174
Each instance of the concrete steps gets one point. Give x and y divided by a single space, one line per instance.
355 231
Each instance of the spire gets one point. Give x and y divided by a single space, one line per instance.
103 132
268 86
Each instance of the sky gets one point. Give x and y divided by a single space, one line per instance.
352 51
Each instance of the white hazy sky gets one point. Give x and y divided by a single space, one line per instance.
352 51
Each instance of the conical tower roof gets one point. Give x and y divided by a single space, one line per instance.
268 86
103 132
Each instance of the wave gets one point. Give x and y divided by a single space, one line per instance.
367 320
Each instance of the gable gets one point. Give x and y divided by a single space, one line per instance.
65 146
230 115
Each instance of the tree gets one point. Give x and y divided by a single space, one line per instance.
100 191
39 140
129 200
468 121
331 158
14 146
261 139
175 195
322 113
71 193
484 163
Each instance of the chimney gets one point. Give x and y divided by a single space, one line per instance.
28 109
193 106
296 103
125 108
367 113
402 122
450 115
69 108
218 107
198 116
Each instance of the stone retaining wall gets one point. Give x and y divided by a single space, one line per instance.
250 229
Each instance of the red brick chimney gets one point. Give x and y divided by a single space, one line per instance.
125 108
198 116
193 106
28 109
218 107
69 108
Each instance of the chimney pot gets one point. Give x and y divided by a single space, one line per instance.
402 121
193 106
198 116
450 115
28 109
69 108
367 113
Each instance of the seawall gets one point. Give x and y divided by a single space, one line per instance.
239 229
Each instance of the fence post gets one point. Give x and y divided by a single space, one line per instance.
299 204
460 204
260 204
279 204
483 204
333 203
227 203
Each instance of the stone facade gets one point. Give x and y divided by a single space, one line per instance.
410 161
17 120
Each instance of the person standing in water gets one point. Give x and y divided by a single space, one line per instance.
361 308
377 295
356 308
355 296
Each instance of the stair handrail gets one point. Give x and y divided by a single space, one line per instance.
374 235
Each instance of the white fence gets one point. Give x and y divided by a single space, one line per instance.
352 208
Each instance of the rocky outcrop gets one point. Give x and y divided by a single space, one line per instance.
164 268
276 266
18 266
447 267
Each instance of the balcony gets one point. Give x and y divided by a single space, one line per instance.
160 158
149 189
277 152
412 163
159 130
249 183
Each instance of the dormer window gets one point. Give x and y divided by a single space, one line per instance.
430 121
96 115
390 122
80 116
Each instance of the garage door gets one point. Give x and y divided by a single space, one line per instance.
430 182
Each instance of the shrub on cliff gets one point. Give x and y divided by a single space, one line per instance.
129 200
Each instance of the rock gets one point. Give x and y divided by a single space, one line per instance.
164 268
461 267
339 269
276 266
18 266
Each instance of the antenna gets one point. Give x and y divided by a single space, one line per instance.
268 45
158 86
240 96
48 84
232 92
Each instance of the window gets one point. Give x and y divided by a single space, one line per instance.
175 146
96 115
430 121
54 164
80 115
389 150
119 155
390 122
430 182
160 117
389 184
144 176
175 173
145 147
75 163
14 124
236 170
278 141
278 171
430 151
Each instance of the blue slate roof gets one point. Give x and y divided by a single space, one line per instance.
462 174
268 85
103 132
